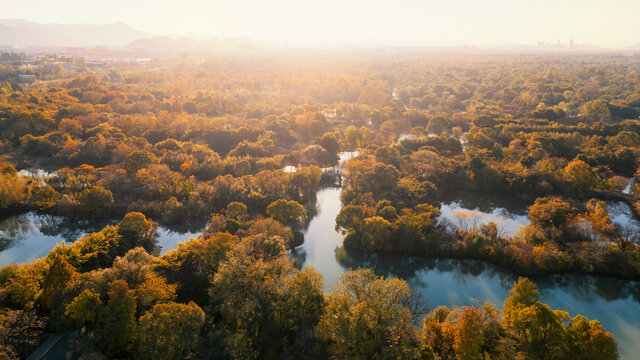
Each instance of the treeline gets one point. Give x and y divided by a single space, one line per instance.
238 296
90 193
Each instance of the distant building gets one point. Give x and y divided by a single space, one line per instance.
94 64
26 78
68 66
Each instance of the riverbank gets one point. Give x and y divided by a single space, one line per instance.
456 282
529 260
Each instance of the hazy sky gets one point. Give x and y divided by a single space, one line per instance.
325 22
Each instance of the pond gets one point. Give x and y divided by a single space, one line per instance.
29 236
470 210
615 303
622 217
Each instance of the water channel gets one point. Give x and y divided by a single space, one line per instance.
615 303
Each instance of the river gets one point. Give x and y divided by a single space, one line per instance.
615 303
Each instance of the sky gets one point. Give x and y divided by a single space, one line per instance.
610 23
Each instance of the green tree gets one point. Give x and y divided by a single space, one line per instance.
588 340
95 202
538 330
367 318
84 309
375 234
119 319
288 212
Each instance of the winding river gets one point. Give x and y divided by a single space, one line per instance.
616 303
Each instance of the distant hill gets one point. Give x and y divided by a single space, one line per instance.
189 45
15 32
23 33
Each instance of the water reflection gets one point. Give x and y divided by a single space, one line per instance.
29 236
469 210
171 235
452 282
614 302
622 217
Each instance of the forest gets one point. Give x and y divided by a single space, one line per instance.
245 143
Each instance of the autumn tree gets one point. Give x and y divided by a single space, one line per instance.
581 176
169 331
85 309
20 333
95 201
248 298
549 215
468 335
538 329
59 275
597 109
136 230
588 340
139 159
288 212
329 142
236 211
367 318
373 235
118 319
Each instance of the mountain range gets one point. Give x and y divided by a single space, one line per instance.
17 33
23 33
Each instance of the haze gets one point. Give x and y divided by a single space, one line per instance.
359 22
